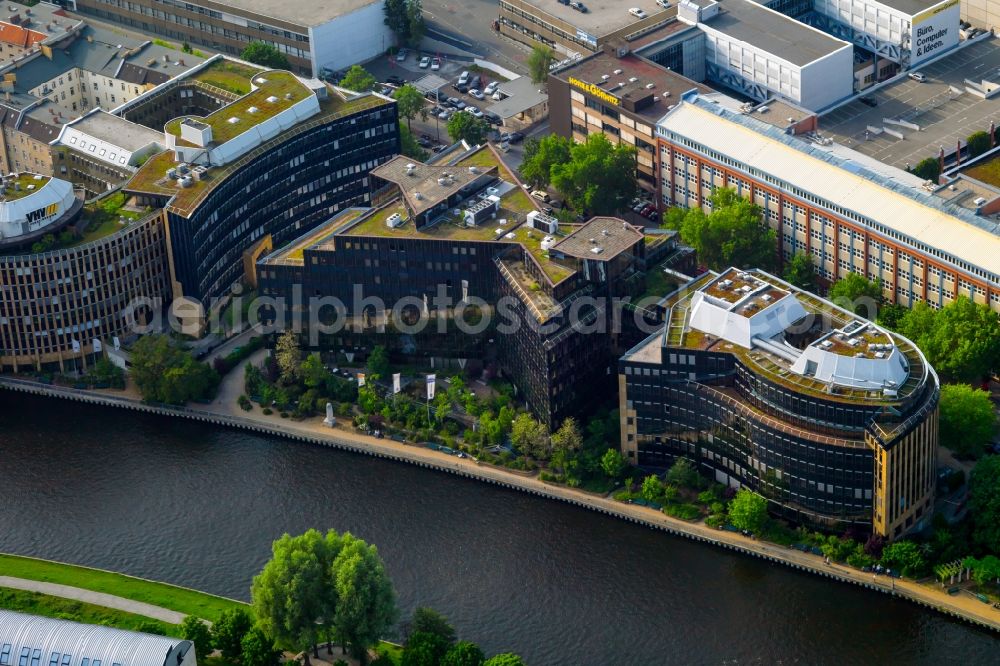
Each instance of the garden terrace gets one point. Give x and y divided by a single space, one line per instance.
22 181
233 77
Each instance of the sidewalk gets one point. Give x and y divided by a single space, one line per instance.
96 598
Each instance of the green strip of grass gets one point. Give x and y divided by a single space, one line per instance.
182 600
77 611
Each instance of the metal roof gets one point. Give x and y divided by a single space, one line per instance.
30 640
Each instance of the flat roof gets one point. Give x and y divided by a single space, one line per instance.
965 189
117 131
910 7
23 180
424 186
592 69
942 106
841 182
610 236
312 13
773 32
602 17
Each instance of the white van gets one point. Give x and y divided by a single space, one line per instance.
463 79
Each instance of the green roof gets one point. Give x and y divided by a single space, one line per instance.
23 180
233 77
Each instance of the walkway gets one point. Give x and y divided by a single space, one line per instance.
96 598
225 412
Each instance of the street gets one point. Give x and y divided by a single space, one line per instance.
472 22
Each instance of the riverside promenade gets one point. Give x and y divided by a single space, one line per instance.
225 412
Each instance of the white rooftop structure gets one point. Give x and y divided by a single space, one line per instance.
35 205
109 138
888 207
30 640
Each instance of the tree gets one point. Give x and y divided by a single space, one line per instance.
358 79
961 340
985 571
295 590
314 374
166 373
904 556
857 294
266 55
366 602
257 649
409 146
505 659
891 316
428 620
801 271
529 436
415 21
397 20
978 143
539 61
748 510
547 152
228 632
378 362
463 653
599 177
424 649
466 127
289 356
984 503
409 103
151 627
652 489
567 438
195 630
733 234
928 168
683 473
613 464
967 419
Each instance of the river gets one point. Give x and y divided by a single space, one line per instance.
199 505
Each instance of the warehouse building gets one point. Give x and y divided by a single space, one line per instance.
849 212
30 640
313 35
829 417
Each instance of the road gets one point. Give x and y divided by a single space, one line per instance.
472 21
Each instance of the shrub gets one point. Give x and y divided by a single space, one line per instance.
284 415
683 511
244 403
267 411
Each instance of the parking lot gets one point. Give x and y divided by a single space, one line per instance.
941 107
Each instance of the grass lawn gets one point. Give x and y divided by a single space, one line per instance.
179 599
68 609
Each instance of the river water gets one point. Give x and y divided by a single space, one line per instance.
199 505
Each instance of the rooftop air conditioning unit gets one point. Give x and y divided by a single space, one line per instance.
418 196
596 250
650 86
605 77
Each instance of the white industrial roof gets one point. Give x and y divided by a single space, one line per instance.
70 643
838 182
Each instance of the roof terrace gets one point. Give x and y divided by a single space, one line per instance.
858 339
21 185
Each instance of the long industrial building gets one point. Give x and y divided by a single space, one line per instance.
849 212
831 418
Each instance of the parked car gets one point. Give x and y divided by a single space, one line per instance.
394 80
869 101
401 55
474 81
919 77
636 12
460 105
541 195
491 88
637 208
425 62
663 3
475 92
460 87
463 78
435 64
474 111
423 142
516 137
453 101
579 6
497 96
444 115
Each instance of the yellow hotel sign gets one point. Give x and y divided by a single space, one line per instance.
594 90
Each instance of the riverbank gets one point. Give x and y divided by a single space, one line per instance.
965 607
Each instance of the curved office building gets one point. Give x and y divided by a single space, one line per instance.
828 416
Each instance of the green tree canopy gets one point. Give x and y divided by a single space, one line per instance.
801 271
257 649
928 168
733 234
967 419
415 21
613 464
857 294
904 556
366 602
505 659
978 143
551 150
397 20
891 315
378 362
568 437
748 510
195 630
314 374
961 340
466 127
463 653
984 503
166 373
530 437
424 648
228 632
358 79
599 177
265 55
428 620
409 146
683 473
409 103
539 61
288 354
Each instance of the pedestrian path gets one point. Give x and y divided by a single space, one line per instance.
96 598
